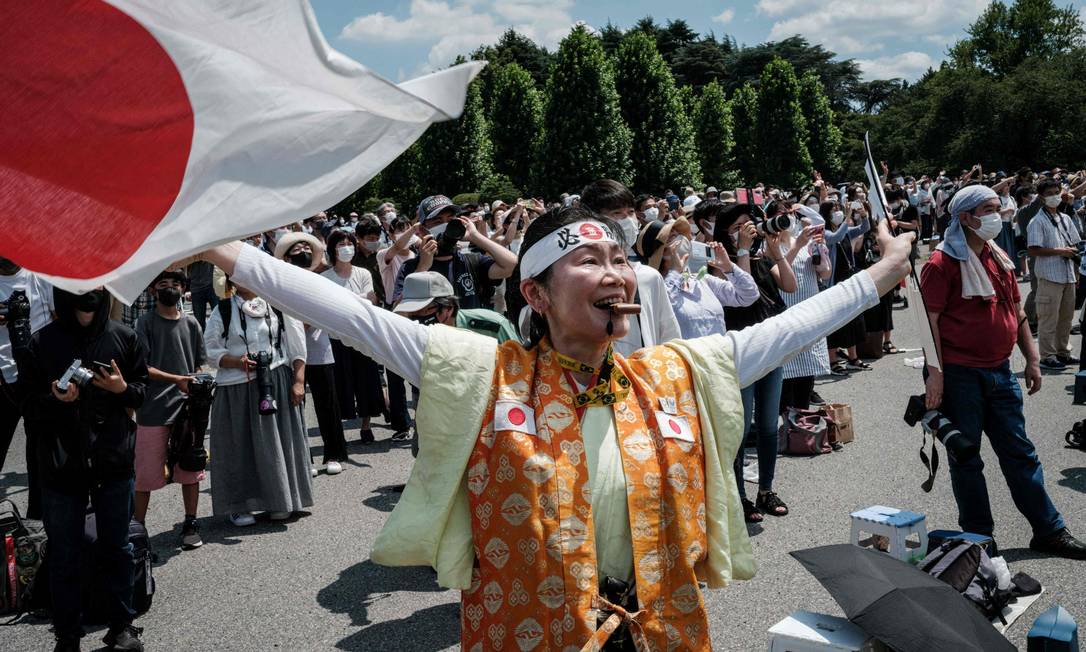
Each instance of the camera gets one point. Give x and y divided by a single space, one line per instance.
77 375
186 445
446 242
16 312
775 224
264 384
1076 436
941 428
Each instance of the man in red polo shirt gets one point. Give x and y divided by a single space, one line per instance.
976 316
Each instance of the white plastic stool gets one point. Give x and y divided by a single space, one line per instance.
897 525
805 631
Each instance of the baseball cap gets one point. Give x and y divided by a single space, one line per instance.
432 206
690 203
496 203
420 289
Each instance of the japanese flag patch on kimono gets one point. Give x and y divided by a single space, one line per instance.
514 415
674 427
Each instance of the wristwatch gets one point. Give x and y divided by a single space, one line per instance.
742 252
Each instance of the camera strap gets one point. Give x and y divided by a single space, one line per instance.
931 465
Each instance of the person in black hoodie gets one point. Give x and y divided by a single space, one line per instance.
86 451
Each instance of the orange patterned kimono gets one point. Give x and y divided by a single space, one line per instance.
535 585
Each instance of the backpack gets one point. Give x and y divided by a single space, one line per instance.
22 549
143 581
966 567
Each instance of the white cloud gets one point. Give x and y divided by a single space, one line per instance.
907 65
852 27
460 26
725 17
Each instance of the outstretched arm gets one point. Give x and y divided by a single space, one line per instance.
763 347
388 338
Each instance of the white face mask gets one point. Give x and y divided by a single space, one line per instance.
371 246
345 254
837 217
684 246
389 216
990 226
629 231
651 214
1054 201
438 230
899 181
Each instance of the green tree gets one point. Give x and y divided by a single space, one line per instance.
584 135
715 139
781 131
701 62
455 156
871 96
663 152
516 126
823 135
839 78
744 110
512 47
400 180
611 37
1003 37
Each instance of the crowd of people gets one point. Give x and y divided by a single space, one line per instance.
754 267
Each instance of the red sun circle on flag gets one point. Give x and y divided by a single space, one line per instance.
517 417
96 128
675 427
591 232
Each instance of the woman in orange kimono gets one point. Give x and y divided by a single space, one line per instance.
579 499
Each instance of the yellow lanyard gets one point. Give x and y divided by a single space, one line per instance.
599 390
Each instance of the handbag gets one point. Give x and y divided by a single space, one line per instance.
22 544
804 432
839 416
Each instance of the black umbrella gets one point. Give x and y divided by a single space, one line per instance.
898 604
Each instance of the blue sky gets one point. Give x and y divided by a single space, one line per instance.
889 38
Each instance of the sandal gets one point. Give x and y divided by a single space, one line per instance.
771 504
751 514
889 348
857 365
839 368
365 435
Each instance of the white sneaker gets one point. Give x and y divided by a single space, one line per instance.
333 467
278 516
313 471
243 519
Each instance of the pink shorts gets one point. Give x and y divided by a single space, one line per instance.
151 444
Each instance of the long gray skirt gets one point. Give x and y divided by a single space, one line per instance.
258 463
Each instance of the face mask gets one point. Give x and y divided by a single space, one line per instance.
168 296
629 231
709 229
837 217
389 216
307 229
302 259
1054 201
345 254
990 226
899 181
438 230
371 247
280 234
684 246
651 214
426 320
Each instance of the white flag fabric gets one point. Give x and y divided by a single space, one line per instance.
875 194
137 132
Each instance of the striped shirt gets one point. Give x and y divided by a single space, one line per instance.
1053 232
699 303
815 360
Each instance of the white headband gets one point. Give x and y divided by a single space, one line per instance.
557 244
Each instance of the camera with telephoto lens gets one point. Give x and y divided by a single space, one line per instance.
16 313
186 446
263 360
77 375
941 428
446 242
775 224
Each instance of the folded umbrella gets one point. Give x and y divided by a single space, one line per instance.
898 604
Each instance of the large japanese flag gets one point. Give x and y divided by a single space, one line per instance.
135 132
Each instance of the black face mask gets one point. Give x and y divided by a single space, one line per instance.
168 296
302 259
426 320
7 267
89 302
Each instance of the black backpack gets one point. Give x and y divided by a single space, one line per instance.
966 567
143 581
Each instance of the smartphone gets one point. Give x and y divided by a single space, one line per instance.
106 367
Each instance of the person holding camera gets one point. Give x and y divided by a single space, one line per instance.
1055 244
174 343
84 375
259 445
974 308
36 297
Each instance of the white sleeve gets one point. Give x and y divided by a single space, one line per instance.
388 338
214 342
763 347
665 326
294 332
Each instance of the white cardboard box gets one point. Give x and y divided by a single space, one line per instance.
805 631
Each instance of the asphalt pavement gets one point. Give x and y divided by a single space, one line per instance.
308 584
